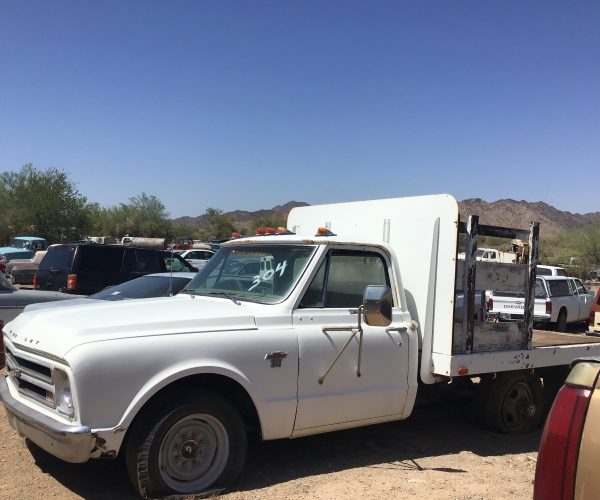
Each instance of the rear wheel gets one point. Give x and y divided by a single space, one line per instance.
561 322
196 446
514 403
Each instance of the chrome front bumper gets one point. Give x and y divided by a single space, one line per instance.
71 443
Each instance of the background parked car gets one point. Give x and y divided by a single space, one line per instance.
151 285
13 301
567 463
89 268
11 253
198 257
559 300
22 271
33 243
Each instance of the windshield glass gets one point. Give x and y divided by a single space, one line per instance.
259 273
479 253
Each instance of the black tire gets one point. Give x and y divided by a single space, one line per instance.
195 444
514 403
561 322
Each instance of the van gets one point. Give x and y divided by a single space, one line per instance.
88 268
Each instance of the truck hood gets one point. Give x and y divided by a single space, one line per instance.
58 330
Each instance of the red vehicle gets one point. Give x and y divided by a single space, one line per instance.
567 462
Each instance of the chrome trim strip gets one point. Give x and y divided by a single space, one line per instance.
41 354
12 363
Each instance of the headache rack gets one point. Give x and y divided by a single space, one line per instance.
473 330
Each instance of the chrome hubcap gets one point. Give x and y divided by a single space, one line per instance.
193 453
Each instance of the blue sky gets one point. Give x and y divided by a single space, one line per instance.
250 104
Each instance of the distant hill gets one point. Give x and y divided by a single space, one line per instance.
520 213
243 218
501 213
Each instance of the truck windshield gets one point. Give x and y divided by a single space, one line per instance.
258 273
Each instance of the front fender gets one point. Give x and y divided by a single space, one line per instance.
112 380
181 371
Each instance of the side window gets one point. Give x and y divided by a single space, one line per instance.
540 291
542 271
581 290
98 258
148 262
344 276
561 272
313 297
559 288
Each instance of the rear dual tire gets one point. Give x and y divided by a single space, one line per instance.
513 403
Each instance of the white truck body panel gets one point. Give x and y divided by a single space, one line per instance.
408 226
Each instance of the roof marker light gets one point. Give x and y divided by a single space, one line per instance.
323 231
283 230
235 236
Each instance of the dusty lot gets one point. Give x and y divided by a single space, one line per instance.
440 452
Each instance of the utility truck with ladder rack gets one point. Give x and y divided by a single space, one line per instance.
363 304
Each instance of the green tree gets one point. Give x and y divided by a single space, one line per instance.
218 226
267 221
43 203
144 215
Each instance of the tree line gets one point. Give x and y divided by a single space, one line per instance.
46 203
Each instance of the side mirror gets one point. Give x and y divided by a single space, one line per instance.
377 305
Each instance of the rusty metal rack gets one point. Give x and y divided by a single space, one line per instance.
472 333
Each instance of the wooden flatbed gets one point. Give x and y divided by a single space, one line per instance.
543 338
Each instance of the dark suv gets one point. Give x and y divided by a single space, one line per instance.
87 268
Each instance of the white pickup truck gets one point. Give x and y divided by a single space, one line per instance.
357 310
558 299
492 255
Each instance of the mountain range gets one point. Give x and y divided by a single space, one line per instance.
507 212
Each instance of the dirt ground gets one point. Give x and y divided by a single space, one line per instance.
441 452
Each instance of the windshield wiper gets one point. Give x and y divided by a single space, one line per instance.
225 294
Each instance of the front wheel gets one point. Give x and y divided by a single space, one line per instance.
197 446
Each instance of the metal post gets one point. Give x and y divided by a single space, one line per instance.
534 232
469 283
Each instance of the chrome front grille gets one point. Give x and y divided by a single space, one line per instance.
32 379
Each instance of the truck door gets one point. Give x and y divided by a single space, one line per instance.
323 321
585 300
